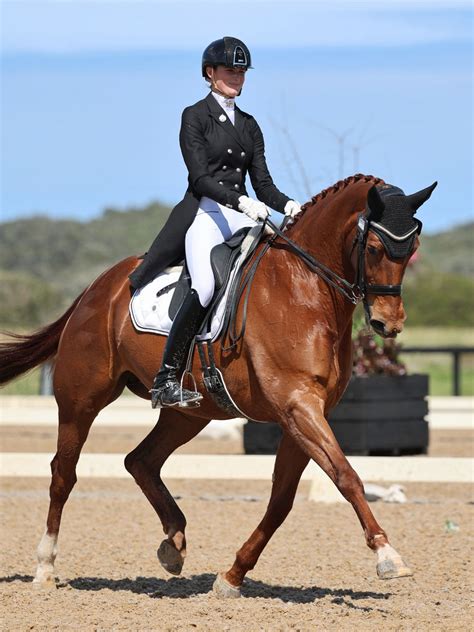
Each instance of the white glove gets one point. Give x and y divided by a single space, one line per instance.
252 208
292 208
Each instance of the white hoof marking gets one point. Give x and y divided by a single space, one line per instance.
46 554
390 565
224 590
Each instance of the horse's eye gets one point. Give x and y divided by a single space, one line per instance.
372 250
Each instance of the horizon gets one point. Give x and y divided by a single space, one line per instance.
277 217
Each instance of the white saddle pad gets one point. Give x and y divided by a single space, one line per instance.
149 313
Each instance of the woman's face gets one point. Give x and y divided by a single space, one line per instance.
227 81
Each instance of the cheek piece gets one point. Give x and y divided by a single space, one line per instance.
396 227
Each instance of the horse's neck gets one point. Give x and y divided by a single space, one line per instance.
326 230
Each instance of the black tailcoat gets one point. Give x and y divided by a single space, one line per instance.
218 156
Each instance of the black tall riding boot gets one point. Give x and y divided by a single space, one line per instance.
166 390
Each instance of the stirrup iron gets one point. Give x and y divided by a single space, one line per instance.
192 403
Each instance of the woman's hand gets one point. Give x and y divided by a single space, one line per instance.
292 208
252 208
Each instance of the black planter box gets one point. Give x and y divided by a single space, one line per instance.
378 415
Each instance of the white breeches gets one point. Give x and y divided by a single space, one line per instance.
213 224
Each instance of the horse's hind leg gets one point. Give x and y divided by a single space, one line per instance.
72 433
289 465
77 411
144 464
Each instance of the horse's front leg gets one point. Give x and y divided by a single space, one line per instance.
289 465
305 421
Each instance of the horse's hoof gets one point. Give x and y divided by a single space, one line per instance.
224 590
170 558
389 563
46 584
393 568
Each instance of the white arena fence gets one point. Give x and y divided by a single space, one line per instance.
33 410
252 467
445 412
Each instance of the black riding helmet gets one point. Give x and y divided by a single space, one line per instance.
228 51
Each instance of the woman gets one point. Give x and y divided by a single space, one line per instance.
219 143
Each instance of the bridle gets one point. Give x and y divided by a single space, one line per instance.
354 292
359 290
364 225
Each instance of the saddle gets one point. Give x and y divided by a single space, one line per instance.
153 307
223 258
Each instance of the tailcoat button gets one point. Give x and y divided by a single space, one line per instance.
242 153
224 167
229 205
236 186
229 151
220 182
238 169
222 118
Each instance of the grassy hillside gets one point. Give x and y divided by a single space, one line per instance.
46 258
439 287
450 252
45 263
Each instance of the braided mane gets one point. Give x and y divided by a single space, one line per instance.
342 184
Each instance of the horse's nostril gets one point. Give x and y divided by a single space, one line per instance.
378 326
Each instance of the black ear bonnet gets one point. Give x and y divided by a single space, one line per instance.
391 218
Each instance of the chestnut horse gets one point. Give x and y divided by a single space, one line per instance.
291 367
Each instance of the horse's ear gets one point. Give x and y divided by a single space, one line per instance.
375 204
415 200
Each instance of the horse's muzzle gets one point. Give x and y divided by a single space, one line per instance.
381 329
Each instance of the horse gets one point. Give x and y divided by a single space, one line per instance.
292 366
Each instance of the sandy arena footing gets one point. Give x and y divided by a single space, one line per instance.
110 579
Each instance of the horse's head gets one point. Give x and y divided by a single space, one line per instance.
387 238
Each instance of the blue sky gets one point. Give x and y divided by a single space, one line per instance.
93 92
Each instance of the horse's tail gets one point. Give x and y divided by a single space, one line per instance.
25 351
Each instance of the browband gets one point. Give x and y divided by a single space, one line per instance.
392 235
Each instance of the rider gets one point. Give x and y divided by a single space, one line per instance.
219 143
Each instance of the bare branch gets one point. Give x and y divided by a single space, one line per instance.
283 129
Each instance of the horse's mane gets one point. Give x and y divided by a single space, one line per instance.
341 184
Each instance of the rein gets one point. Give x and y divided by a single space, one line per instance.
349 290
353 292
